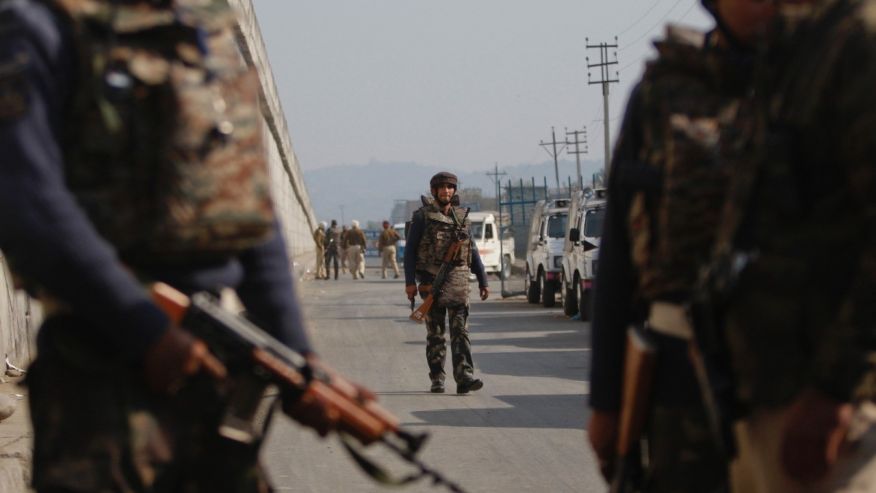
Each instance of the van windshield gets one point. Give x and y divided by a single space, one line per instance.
477 230
593 223
556 226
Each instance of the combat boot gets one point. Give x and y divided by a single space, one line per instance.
437 384
469 384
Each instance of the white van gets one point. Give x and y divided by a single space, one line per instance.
497 258
544 251
581 250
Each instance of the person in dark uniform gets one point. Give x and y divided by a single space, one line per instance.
332 249
664 200
433 228
102 104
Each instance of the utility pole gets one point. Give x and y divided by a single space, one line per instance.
605 80
553 154
579 135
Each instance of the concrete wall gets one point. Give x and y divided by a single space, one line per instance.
19 316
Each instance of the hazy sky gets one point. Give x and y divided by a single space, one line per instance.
452 83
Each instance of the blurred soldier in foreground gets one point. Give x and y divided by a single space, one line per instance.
104 106
795 274
319 240
665 193
386 245
332 249
356 250
433 228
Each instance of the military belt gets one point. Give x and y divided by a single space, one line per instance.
669 319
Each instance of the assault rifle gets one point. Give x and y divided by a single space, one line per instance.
638 372
461 236
259 363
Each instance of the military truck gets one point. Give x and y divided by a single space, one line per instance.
581 251
544 251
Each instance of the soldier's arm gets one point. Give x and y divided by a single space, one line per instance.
415 235
614 281
477 266
269 293
43 231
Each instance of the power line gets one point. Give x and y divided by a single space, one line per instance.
655 26
640 19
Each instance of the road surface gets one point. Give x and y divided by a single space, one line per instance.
522 432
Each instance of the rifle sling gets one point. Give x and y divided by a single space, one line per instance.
373 470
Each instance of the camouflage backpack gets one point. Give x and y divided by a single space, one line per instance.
163 143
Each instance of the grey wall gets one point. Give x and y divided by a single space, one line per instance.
19 316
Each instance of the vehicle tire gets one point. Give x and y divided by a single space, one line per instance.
570 301
585 303
533 290
505 268
549 293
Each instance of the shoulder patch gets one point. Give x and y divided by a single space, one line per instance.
14 100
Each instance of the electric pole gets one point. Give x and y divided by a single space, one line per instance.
605 80
502 267
579 135
553 154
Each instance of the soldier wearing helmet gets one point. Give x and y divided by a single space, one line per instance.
665 191
432 230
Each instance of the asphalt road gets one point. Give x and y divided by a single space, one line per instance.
522 432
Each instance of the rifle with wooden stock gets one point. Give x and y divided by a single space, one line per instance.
259 364
447 264
639 365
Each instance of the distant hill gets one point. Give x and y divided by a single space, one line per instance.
367 192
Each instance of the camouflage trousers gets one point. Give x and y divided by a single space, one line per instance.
97 430
460 345
682 455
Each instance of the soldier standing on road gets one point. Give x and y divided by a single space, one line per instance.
319 240
332 249
386 245
797 250
356 250
665 193
102 104
433 229
343 251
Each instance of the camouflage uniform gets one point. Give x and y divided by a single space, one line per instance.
664 197
799 229
452 304
160 145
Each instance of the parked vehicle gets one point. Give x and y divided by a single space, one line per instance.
581 251
544 251
497 258
400 228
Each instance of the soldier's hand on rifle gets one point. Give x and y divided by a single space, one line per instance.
602 431
814 435
411 291
176 356
485 293
313 410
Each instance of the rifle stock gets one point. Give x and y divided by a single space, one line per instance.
639 365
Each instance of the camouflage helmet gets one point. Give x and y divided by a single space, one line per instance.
443 177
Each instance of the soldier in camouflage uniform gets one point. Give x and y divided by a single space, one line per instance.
433 228
665 192
131 141
796 263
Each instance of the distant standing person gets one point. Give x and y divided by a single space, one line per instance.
319 240
386 244
434 228
356 250
332 247
343 248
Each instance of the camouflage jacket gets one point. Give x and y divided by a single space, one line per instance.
439 234
801 217
163 145
665 193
